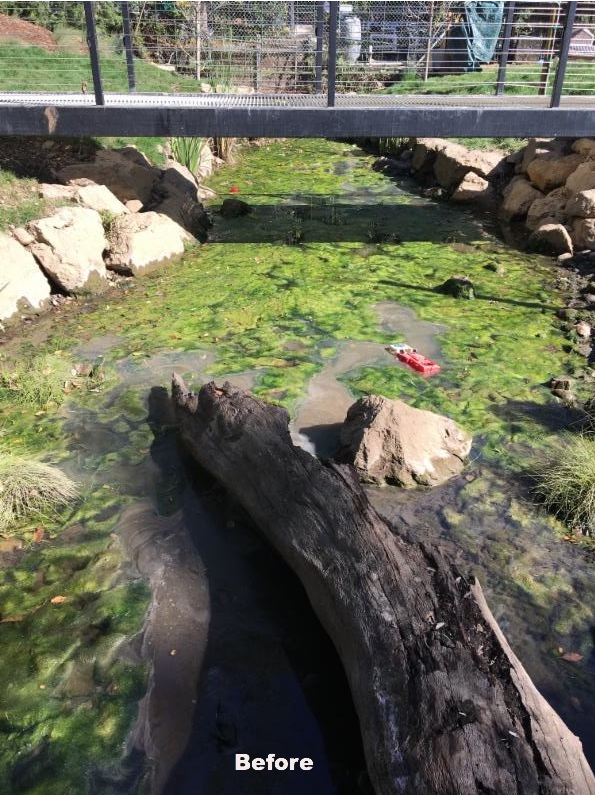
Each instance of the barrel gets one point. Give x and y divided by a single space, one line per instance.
350 33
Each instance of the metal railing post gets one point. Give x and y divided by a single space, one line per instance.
128 47
505 48
94 53
319 46
332 53
563 57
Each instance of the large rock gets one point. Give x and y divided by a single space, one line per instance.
70 245
123 172
176 195
234 208
551 171
540 147
548 209
581 204
551 239
388 441
583 233
100 198
139 242
453 161
519 195
584 146
473 188
424 152
22 283
582 178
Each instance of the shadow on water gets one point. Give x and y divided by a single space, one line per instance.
323 219
553 417
271 680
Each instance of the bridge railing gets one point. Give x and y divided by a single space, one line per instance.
301 47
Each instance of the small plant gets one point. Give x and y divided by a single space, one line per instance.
295 235
566 483
375 234
188 151
30 488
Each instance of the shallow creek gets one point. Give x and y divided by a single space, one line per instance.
304 325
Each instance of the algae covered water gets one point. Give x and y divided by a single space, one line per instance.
297 302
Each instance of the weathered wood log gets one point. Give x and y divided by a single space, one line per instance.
445 707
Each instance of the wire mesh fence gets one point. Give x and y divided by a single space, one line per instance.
283 47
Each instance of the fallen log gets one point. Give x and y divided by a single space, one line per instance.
445 707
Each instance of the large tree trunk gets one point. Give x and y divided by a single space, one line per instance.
444 705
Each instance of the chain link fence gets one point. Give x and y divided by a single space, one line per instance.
282 47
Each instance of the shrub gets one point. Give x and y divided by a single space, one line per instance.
566 483
31 488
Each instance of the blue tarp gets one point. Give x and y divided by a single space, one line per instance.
475 38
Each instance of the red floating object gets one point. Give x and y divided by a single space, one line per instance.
407 355
234 189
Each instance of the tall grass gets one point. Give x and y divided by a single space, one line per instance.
566 482
31 489
188 151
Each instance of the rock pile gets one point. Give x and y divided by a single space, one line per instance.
119 213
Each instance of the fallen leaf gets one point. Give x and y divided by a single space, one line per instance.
57 600
572 656
38 534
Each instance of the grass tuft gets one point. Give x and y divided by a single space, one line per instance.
566 483
31 488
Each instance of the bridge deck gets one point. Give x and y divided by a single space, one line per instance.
294 115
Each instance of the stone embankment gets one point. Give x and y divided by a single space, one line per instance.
548 186
119 214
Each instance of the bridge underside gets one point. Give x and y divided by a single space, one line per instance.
294 115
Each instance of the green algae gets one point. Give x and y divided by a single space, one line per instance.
248 302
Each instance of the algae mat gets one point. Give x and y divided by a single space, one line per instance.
274 295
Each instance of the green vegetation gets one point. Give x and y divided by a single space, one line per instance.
187 151
520 79
566 482
19 200
30 489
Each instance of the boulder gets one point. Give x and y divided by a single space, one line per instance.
100 198
138 242
519 195
550 171
583 233
176 195
21 282
453 161
69 246
234 208
584 146
424 152
60 193
548 209
134 205
581 204
22 236
582 178
177 177
388 441
473 188
122 171
551 239
539 147
457 287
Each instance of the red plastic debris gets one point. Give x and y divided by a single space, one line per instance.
234 189
421 364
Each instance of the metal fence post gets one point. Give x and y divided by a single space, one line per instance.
332 53
505 49
94 53
128 47
319 46
563 57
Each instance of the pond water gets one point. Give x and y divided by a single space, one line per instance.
297 302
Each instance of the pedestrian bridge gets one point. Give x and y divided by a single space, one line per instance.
177 69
